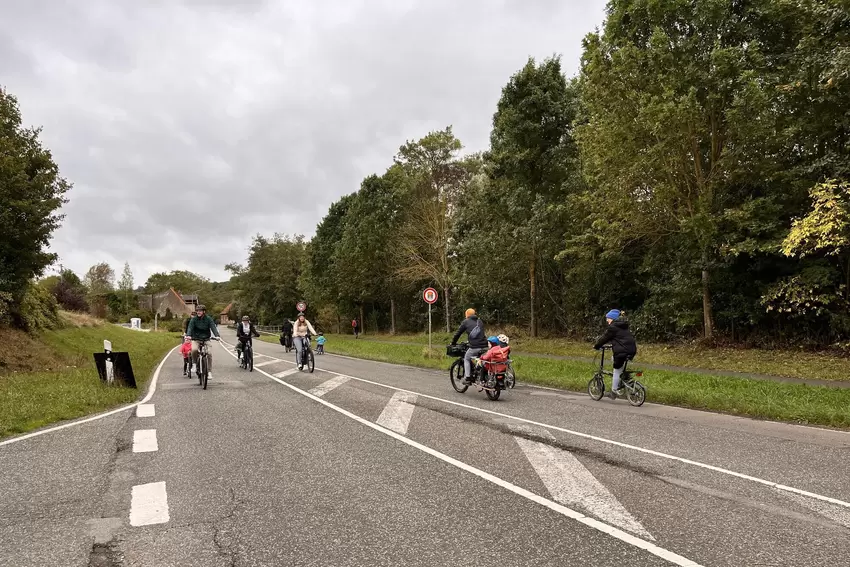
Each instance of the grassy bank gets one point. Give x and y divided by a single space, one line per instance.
794 364
754 398
52 377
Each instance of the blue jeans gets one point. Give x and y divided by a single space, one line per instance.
467 361
300 344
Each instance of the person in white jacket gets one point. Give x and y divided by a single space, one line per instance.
301 331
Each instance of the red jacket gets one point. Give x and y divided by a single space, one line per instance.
495 356
186 348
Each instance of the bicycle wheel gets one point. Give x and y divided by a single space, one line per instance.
311 361
637 395
199 370
510 377
456 376
493 393
250 354
596 387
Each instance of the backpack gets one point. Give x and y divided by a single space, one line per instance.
477 331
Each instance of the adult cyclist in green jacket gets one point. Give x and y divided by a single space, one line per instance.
202 328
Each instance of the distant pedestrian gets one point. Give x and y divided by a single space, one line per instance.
355 327
320 343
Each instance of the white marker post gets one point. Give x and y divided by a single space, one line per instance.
110 375
430 297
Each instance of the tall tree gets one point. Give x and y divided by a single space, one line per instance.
125 285
533 163
31 193
100 284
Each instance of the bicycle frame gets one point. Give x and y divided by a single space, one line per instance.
627 378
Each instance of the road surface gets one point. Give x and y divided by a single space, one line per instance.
364 463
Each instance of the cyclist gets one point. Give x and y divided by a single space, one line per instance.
244 331
320 343
623 346
286 333
202 328
186 324
301 331
474 328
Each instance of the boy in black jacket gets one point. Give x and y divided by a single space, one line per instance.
623 346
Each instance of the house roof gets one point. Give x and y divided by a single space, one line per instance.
226 310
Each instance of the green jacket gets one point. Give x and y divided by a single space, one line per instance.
202 329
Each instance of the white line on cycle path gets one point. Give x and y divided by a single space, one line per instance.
144 441
266 363
398 412
570 483
652 452
149 504
326 387
608 529
145 410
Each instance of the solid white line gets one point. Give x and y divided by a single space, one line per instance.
149 504
326 387
144 441
145 410
837 515
551 504
398 412
570 483
652 452
151 390
266 363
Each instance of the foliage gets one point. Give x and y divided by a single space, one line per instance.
70 292
31 193
38 310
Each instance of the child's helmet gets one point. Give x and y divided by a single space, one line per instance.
504 339
493 340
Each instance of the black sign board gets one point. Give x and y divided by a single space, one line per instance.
122 370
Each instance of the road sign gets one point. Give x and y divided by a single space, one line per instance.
430 296
301 306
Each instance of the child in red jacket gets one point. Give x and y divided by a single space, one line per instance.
186 351
496 355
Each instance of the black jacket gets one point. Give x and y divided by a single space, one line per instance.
474 328
620 337
287 328
240 332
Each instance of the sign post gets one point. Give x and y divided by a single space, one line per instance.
430 297
301 306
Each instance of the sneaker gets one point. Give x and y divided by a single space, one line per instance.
184 373
300 367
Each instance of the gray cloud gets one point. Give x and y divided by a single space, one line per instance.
188 127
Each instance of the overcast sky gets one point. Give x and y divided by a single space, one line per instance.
188 126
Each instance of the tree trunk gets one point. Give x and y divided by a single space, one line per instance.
532 279
362 321
392 316
446 305
708 316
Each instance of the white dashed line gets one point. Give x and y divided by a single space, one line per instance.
398 412
326 387
145 410
149 504
286 373
266 363
144 441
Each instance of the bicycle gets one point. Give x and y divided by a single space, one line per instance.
246 360
307 359
635 391
485 378
203 366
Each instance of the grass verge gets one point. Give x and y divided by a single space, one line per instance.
52 377
796 403
790 363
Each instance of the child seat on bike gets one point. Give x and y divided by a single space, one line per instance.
496 357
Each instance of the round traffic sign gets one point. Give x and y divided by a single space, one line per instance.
430 295
301 306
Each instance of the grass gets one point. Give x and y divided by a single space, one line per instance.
739 396
52 377
790 363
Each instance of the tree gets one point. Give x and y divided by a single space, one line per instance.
126 286
533 163
437 177
100 283
31 193
70 292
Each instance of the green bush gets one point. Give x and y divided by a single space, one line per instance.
38 310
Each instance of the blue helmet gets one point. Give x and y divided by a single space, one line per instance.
494 340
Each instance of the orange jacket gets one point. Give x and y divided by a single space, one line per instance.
495 356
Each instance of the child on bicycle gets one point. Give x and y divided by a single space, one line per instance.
623 346
320 344
186 351
496 356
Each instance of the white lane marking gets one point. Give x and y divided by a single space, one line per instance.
652 452
398 412
551 504
286 373
149 504
721 470
570 483
144 441
834 513
151 390
266 363
326 387
145 410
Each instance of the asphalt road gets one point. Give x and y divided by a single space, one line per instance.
363 463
